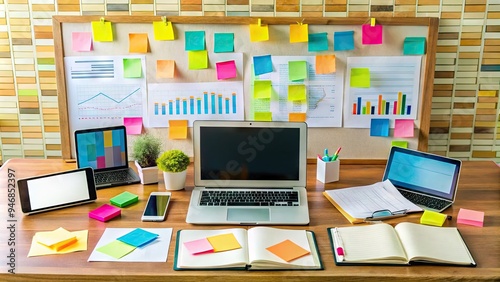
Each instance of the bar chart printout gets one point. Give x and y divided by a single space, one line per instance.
393 92
191 101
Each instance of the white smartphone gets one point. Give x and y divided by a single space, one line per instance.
156 207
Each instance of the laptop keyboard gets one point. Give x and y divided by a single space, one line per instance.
113 176
249 198
424 200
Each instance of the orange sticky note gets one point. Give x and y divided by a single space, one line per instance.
288 250
325 64
177 129
165 68
297 117
138 42
57 239
224 242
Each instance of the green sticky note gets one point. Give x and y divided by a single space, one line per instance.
414 46
102 31
263 116
297 70
360 78
198 60
296 92
397 143
116 249
262 89
124 199
132 68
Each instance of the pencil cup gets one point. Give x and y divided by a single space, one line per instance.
327 171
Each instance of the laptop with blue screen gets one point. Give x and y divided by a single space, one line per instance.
105 150
429 181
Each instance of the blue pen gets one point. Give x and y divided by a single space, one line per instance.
326 158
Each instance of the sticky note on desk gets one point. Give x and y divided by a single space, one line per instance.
38 249
105 212
138 237
124 199
57 239
116 249
288 250
200 246
224 242
470 217
433 218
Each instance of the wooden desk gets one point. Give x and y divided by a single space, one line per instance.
479 189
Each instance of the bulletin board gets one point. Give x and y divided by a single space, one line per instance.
357 144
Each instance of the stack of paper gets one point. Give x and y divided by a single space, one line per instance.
59 241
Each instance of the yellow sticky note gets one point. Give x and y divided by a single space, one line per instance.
399 143
259 32
163 31
297 117
360 78
263 116
177 129
57 239
38 249
299 33
325 64
296 92
165 68
433 218
198 59
224 242
138 42
288 250
262 89
102 31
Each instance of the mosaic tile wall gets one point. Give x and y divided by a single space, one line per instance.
465 121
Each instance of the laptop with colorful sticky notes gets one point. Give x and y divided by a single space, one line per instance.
430 181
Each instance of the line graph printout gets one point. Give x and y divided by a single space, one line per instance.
192 101
391 90
98 92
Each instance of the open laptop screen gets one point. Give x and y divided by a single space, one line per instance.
423 172
102 148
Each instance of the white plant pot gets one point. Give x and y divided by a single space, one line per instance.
148 175
175 180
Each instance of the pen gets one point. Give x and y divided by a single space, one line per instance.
326 158
338 242
336 155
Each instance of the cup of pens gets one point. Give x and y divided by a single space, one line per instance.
328 167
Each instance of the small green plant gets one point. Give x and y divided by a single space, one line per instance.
173 161
146 149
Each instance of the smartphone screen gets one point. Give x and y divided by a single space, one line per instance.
157 205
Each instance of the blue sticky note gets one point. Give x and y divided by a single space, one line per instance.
195 40
343 40
262 64
223 42
379 127
414 46
138 237
317 42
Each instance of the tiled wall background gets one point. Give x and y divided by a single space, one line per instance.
465 121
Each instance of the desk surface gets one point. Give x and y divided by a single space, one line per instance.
479 189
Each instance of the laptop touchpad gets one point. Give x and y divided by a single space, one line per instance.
247 215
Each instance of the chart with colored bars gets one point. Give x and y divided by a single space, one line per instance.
382 106
192 101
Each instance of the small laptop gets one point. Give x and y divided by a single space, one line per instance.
105 150
249 173
429 181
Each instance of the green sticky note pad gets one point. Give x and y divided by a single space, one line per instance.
116 249
397 143
124 199
360 77
433 218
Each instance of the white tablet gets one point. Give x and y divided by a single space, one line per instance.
58 190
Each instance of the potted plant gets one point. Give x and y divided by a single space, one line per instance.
174 165
145 150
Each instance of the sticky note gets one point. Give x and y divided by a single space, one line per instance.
325 64
177 129
163 30
262 64
297 117
198 60
414 46
165 69
398 143
124 199
379 127
371 34
263 116
296 92
317 42
57 239
403 128
299 33
297 70
433 218
259 32
288 250
360 78
343 40
102 31
132 68
38 249
105 213
200 246
133 125
262 89
138 237
223 42
137 42
194 40
116 249
226 70
224 242
470 217
81 41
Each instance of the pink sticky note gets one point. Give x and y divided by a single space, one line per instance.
81 41
226 70
470 217
105 212
199 246
371 34
133 125
403 128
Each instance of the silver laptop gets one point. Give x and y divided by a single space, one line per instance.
429 181
249 173
105 150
